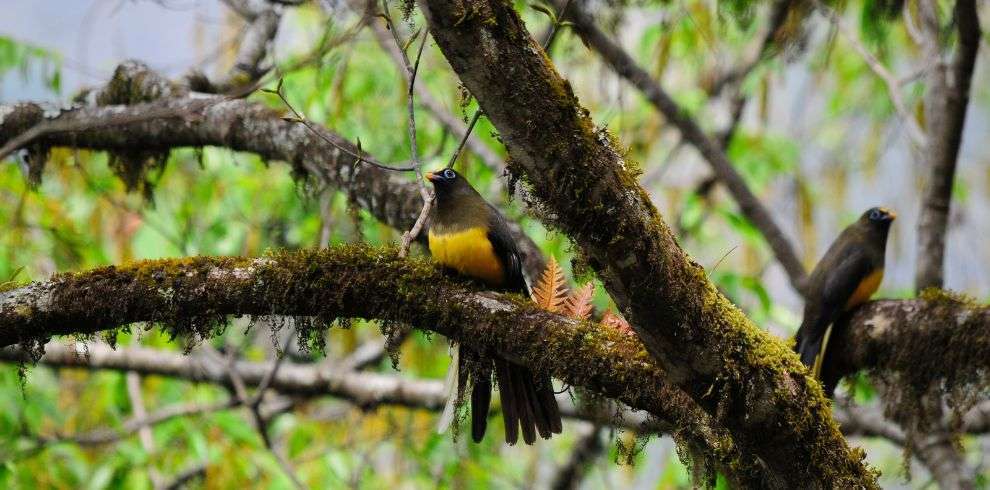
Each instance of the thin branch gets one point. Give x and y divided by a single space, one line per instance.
452 123
186 476
412 69
254 406
319 131
554 27
107 436
750 206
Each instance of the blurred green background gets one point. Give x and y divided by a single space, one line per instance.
818 141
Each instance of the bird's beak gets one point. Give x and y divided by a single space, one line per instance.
890 213
429 176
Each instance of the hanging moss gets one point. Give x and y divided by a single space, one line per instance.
134 168
950 370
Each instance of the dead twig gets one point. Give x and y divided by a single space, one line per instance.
412 68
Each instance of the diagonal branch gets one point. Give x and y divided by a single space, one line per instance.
255 43
706 345
750 206
426 99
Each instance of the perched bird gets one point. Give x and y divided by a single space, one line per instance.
848 274
470 237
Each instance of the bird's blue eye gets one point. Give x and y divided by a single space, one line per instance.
449 174
875 214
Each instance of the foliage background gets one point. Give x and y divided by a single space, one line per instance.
819 142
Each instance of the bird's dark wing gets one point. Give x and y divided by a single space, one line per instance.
835 279
507 252
847 273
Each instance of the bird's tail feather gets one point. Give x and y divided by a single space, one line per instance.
528 403
481 399
816 369
812 350
509 404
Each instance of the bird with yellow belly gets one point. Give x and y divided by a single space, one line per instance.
468 236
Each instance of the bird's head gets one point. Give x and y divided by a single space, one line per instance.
448 183
878 217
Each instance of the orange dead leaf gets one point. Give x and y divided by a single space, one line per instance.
550 291
579 302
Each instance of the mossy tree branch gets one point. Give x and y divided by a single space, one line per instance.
194 296
934 338
748 381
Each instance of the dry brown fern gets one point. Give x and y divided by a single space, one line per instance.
550 292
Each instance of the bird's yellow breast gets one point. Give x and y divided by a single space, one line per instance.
866 288
468 252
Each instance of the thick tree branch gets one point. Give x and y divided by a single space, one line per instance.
191 296
749 382
938 338
710 149
945 109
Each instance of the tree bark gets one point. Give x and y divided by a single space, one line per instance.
945 111
193 297
749 382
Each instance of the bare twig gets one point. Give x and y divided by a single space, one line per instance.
426 100
300 118
412 69
187 475
253 404
107 436
133 382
